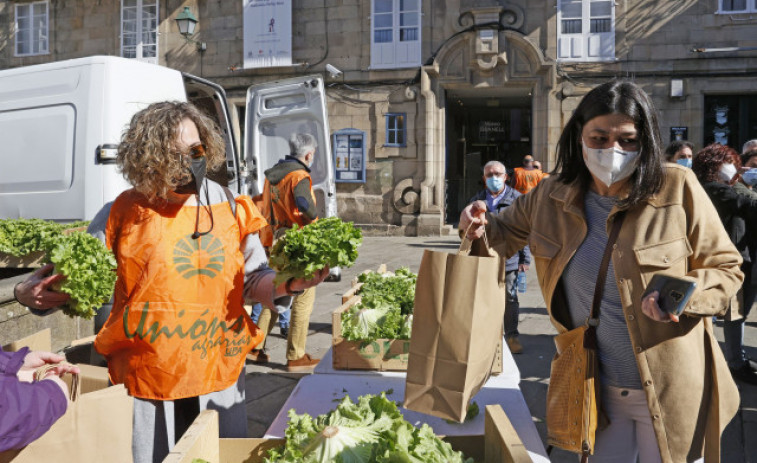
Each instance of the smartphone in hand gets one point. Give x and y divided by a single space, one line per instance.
674 292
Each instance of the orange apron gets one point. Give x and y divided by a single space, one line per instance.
278 206
178 327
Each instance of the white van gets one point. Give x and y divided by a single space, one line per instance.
61 123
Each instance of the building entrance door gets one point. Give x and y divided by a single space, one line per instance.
481 129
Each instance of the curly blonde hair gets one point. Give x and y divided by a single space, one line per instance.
149 156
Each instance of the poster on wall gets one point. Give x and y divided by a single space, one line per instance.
349 155
679 133
267 33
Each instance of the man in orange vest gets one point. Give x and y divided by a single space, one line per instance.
527 177
288 199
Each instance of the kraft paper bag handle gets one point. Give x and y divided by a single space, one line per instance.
466 243
39 375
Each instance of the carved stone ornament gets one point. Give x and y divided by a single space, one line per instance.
406 199
490 19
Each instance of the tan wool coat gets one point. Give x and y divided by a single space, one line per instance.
689 389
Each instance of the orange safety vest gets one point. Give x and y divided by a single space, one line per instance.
178 327
278 206
526 180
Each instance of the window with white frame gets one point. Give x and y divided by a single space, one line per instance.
586 30
396 130
737 6
32 29
139 30
395 34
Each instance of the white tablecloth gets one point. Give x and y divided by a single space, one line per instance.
319 393
510 373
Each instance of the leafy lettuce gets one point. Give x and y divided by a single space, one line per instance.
371 430
301 252
397 289
89 267
363 323
385 310
19 237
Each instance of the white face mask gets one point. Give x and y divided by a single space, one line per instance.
726 173
610 165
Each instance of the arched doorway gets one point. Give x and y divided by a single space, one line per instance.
508 92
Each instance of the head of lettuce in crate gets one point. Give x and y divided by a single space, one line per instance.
188 254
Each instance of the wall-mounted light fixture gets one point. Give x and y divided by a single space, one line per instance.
187 23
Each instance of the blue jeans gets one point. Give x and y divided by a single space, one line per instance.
283 316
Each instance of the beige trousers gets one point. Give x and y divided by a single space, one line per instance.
302 307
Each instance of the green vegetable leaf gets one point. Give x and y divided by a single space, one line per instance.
302 252
397 289
19 237
471 413
89 268
371 430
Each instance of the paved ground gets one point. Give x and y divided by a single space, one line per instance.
268 387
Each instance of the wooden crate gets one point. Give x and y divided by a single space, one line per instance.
356 285
499 444
380 354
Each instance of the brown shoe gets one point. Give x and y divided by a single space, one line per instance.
514 345
304 363
258 356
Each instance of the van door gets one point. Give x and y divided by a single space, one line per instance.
276 110
211 99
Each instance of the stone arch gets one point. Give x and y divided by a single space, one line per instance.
459 64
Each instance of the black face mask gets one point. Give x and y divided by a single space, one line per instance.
198 170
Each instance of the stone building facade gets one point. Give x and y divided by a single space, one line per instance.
484 79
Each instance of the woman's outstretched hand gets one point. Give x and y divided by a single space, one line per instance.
473 220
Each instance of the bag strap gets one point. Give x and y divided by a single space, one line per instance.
41 372
230 199
599 288
466 243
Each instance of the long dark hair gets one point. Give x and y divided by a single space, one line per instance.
621 97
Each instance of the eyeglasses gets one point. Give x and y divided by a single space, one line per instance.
495 174
196 151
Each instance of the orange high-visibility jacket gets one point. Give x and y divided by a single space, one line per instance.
526 180
178 327
277 204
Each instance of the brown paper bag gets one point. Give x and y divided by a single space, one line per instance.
96 427
457 324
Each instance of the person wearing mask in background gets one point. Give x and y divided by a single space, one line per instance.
749 146
527 177
288 199
498 196
28 408
664 384
749 169
716 167
188 253
681 152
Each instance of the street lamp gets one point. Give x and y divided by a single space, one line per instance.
187 23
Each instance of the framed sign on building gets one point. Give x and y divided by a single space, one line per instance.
679 134
267 28
349 155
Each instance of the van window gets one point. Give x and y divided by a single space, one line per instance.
47 161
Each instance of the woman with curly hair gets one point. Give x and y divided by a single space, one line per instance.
716 166
188 253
